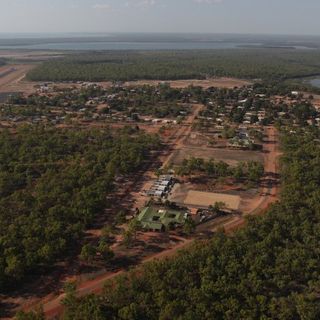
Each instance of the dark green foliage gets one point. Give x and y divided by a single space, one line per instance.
88 252
170 65
160 101
250 170
53 183
269 270
189 226
37 315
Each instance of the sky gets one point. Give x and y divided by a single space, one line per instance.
175 16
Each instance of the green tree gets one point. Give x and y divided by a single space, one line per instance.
128 237
107 232
189 226
88 253
255 171
33 315
218 207
134 226
105 251
120 218
159 172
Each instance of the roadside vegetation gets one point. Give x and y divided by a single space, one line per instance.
53 183
275 64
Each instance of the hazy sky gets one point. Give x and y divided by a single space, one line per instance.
211 16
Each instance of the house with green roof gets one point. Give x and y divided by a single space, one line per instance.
157 219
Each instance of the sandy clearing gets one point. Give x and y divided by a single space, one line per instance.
199 198
214 82
29 54
180 84
12 81
4 68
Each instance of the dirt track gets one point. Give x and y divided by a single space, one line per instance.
183 133
12 81
53 308
270 182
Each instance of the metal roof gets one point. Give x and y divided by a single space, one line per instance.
151 218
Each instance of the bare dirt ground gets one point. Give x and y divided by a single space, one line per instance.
182 134
14 81
180 84
270 183
198 198
188 194
214 82
30 55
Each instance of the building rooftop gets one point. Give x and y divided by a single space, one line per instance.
159 219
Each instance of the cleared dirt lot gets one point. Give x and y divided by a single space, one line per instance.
215 82
197 198
185 194
30 55
13 81
232 157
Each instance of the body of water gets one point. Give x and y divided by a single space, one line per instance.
315 82
143 46
110 45
149 41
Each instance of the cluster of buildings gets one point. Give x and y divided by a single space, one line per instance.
161 187
242 140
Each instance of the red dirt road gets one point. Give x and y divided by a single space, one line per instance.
53 308
270 190
183 132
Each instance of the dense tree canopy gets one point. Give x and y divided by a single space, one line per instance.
250 170
170 65
53 182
